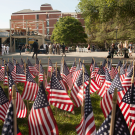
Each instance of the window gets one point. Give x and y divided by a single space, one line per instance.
48 31
37 17
47 23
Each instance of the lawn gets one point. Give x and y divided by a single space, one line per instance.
66 121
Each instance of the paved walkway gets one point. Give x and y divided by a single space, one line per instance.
70 57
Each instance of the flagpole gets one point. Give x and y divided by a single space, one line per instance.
39 73
44 80
25 75
4 77
14 108
82 107
111 69
114 101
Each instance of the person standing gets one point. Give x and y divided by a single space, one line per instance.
112 50
47 48
63 49
88 48
2 49
7 48
35 46
20 48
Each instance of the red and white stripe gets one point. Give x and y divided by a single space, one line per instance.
91 67
122 77
97 80
80 94
106 104
72 70
60 99
74 93
87 127
13 73
41 122
93 87
33 70
101 78
3 111
112 73
30 91
40 77
48 86
20 78
6 80
75 75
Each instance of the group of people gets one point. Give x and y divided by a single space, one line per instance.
4 49
50 48
121 48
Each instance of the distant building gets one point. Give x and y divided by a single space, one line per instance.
47 14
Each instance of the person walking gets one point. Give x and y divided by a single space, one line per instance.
20 48
35 46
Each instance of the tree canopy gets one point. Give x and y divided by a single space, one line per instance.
68 30
103 16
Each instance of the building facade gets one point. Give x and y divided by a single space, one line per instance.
47 16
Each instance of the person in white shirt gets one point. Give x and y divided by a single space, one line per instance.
7 48
2 49
44 46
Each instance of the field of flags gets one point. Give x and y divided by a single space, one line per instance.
67 89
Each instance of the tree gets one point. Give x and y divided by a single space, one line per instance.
68 30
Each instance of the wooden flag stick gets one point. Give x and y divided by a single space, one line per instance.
8 82
44 80
114 101
82 107
119 70
14 108
39 73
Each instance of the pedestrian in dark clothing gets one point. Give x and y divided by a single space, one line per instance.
112 50
35 46
63 49
20 49
47 49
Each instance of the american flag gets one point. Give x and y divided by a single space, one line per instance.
37 64
2 71
41 73
111 71
96 68
6 78
93 86
120 126
4 103
87 125
41 120
77 72
73 68
8 127
91 65
86 82
97 75
105 86
21 110
20 75
128 70
104 63
50 67
93 71
58 97
21 63
78 85
108 64
32 68
102 75
60 79
125 67
122 74
127 81
119 64
12 70
66 75
31 87
106 103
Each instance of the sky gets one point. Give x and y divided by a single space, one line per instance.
7 7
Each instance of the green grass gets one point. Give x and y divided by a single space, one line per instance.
66 121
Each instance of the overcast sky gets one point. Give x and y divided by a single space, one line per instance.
7 7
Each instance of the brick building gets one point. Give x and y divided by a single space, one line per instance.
46 13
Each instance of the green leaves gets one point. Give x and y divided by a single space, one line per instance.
68 30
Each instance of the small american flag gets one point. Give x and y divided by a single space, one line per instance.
32 68
66 75
120 126
128 70
41 73
21 110
91 65
41 120
6 78
20 75
31 88
21 63
97 75
73 68
8 127
4 104
37 64
2 71
50 67
93 86
12 70
87 125
106 103
58 97
122 74
93 72
111 71
104 63
102 75
119 64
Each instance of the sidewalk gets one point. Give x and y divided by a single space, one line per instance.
70 57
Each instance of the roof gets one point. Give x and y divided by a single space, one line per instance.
46 4
34 11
